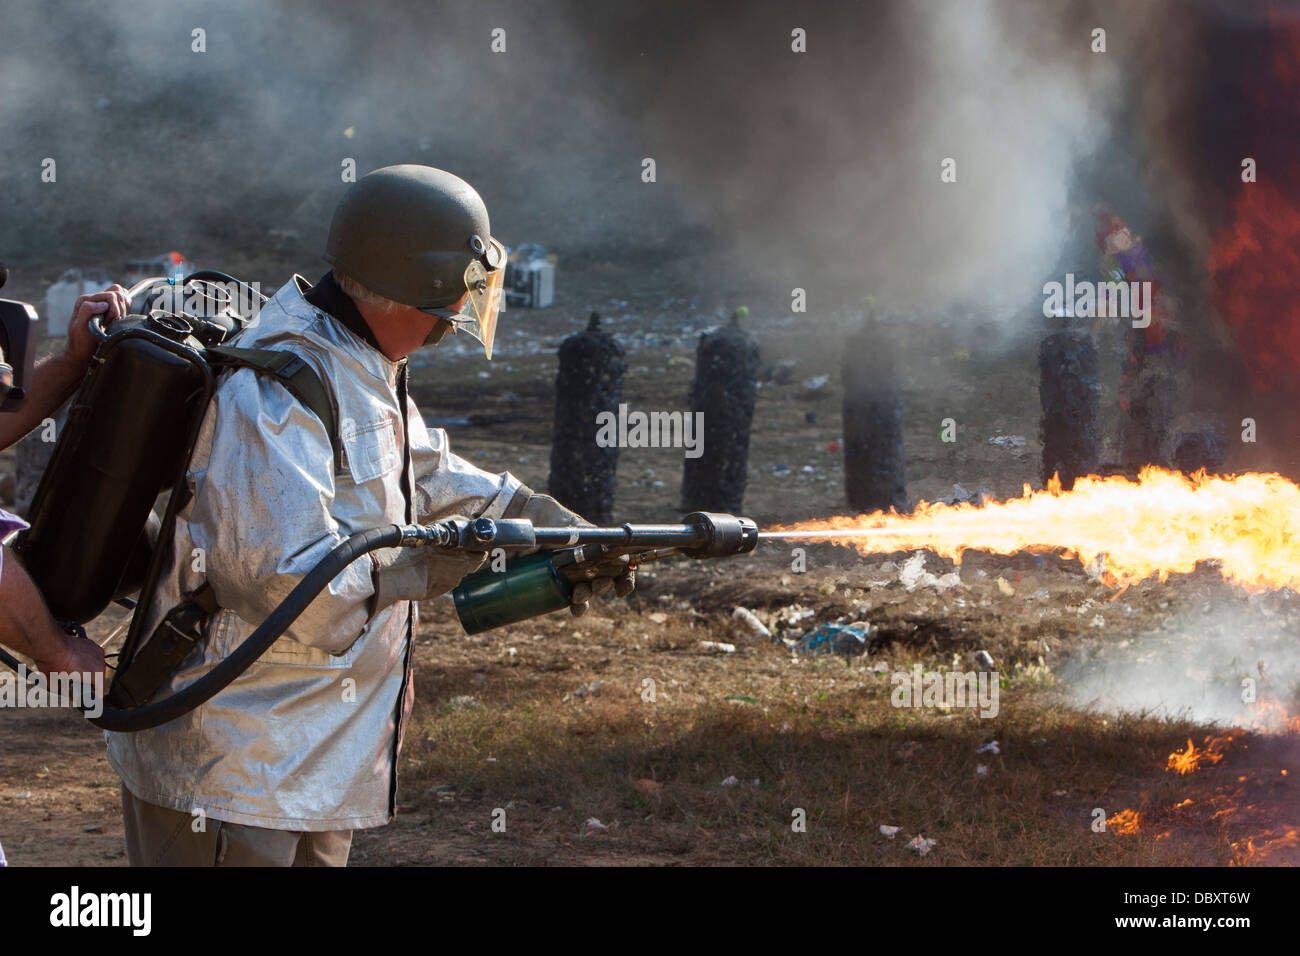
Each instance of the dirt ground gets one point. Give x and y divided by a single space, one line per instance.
546 725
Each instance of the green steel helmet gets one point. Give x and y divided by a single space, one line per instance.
420 236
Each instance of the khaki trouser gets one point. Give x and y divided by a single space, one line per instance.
158 836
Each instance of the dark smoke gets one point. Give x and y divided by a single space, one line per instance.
818 170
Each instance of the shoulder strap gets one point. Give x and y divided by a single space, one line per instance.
293 373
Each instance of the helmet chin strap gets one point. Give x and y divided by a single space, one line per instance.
438 332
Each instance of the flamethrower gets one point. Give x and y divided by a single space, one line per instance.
533 584
544 581
1164 523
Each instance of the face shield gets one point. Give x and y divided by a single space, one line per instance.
484 280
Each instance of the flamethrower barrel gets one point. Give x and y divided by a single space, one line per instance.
703 534
641 535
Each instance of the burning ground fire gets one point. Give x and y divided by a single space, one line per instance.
1164 523
1183 762
1251 803
1247 526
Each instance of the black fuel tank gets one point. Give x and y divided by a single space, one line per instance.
127 438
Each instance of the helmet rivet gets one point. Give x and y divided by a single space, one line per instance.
476 243
437 283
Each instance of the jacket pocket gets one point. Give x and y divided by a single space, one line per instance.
228 635
371 449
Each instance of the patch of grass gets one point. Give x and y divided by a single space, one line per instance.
824 745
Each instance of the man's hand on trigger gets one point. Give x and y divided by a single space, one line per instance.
613 573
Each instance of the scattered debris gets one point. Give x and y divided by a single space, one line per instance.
921 845
1006 587
730 782
913 575
961 496
465 702
816 383
981 770
888 831
989 748
594 824
790 615
720 646
588 689
658 617
842 639
750 618
1008 441
984 660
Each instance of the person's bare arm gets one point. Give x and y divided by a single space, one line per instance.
26 626
55 378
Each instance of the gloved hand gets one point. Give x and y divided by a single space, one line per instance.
418 574
544 511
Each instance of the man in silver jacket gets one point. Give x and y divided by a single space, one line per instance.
283 764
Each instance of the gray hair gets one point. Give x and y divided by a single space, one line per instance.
359 293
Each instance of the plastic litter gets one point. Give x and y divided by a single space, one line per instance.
921 845
913 575
844 639
747 616
1008 441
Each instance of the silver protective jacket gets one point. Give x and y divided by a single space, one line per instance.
307 738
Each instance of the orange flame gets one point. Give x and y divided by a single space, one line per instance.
1192 759
1162 524
1125 823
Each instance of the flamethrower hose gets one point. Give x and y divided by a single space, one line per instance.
266 634
276 623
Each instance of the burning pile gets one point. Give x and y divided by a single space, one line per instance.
1164 523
